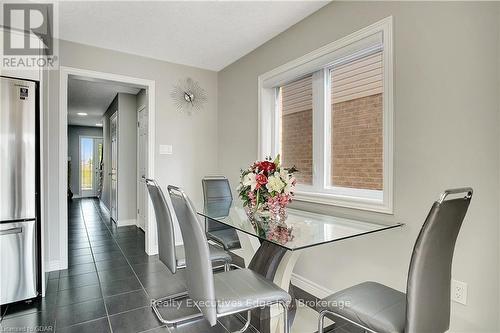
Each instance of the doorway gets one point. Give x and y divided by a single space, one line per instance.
90 166
145 210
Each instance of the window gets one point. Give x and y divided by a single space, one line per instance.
329 113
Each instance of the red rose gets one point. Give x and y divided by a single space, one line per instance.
267 166
261 179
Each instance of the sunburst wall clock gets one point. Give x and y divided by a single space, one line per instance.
188 96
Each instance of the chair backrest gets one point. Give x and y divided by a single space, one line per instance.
199 275
164 221
429 277
216 189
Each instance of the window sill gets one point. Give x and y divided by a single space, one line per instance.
364 204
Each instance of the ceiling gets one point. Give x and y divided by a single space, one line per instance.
208 34
92 97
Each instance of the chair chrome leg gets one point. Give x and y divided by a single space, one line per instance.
247 324
286 324
174 322
321 321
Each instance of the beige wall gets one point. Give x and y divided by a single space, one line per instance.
446 135
194 138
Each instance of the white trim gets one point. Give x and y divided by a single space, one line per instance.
122 223
310 287
149 85
318 62
53 265
103 206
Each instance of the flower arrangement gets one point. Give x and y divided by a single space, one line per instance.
266 188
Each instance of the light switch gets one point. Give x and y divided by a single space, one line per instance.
165 149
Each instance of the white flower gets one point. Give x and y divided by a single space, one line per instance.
274 183
290 185
249 180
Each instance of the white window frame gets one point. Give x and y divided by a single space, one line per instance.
319 62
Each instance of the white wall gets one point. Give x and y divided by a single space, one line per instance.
127 158
446 135
194 138
74 133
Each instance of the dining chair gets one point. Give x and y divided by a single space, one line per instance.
426 305
217 188
225 293
173 256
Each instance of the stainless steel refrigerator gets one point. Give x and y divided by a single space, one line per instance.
19 188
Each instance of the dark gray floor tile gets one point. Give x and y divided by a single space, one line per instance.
94 326
116 274
79 245
198 326
47 303
53 275
80 312
77 281
105 242
108 255
142 259
44 320
77 295
160 278
118 262
77 270
128 301
134 321
149 267
165 289
79 252
105 248
120 286
52 286
78 260
234 323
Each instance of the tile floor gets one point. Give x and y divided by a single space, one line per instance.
109 284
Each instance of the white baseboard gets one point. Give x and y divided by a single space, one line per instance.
76 196
103 206
309 286
122 223
53 265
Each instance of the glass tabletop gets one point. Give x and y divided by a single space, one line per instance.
300 229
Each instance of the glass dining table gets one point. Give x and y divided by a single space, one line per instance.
272 249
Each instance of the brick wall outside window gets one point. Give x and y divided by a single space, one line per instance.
357 143
296 148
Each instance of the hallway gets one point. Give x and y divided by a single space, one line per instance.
109 284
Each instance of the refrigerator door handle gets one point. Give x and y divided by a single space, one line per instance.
11 231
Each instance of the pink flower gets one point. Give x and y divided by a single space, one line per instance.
261 180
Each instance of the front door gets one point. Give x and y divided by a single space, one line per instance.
90 161
114 166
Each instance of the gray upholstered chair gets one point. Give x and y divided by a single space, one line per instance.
217 188
169 254
425 308
225 293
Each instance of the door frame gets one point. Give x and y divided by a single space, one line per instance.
93 137
140 109
113 116
151 246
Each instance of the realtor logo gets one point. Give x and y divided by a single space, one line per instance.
29 39
32 19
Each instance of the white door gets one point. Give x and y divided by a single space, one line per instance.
90 158
142 157
114 166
